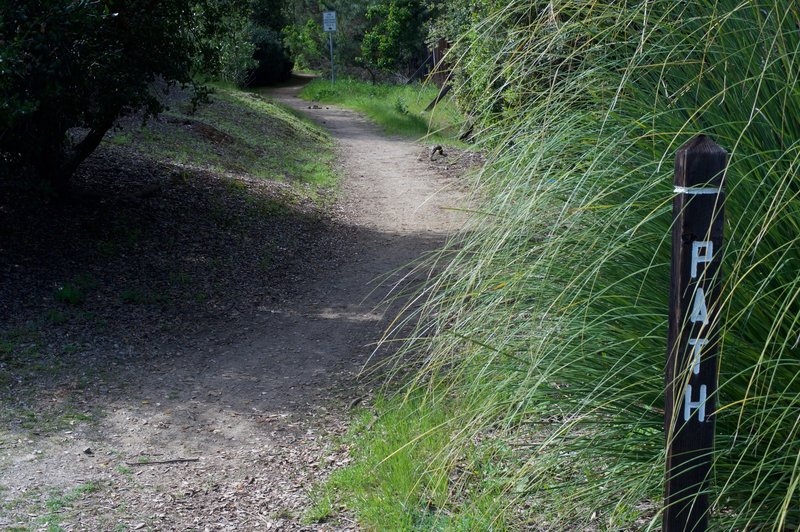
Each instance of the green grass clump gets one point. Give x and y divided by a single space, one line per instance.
404 478
553 315
399 109
58 502
48 509
75 291
70 294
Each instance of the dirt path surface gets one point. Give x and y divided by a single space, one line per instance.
255 403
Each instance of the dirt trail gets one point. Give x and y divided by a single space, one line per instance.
259 403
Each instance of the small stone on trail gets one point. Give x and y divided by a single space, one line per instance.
88 451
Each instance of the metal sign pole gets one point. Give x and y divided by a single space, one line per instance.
333 67
691 372
329 26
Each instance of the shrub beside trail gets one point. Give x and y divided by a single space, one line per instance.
542 349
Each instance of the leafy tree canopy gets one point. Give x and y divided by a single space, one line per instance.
70 68
396 38
309 44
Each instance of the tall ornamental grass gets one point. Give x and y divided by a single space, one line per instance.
548 329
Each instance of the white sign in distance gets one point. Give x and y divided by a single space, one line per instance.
329 21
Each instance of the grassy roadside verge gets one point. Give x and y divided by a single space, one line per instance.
238 133
399 109
403 478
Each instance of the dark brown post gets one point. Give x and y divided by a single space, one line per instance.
691 371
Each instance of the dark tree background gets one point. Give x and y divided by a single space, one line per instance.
272 57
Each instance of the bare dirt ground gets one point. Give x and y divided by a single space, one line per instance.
255 389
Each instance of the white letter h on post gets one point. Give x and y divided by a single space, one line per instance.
689 405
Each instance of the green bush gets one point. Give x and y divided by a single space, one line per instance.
305 44
395 40
236 56
69 69
400 105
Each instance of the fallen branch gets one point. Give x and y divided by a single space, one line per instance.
444 90
155 462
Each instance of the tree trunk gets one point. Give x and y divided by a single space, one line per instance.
82 150
62 161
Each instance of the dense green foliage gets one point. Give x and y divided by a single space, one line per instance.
546 334
475 37
309 43
396 37
381 38
68 69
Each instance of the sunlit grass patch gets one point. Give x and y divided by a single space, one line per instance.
399 109
403 477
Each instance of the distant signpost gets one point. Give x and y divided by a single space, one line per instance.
329 21
329 25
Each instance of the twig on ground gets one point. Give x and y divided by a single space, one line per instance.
156 462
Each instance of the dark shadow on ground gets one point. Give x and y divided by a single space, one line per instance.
151 283
161 311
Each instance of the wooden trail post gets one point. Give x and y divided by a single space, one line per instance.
693 344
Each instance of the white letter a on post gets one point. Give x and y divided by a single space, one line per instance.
699 310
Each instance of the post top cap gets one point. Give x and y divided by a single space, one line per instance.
701 144
700 162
